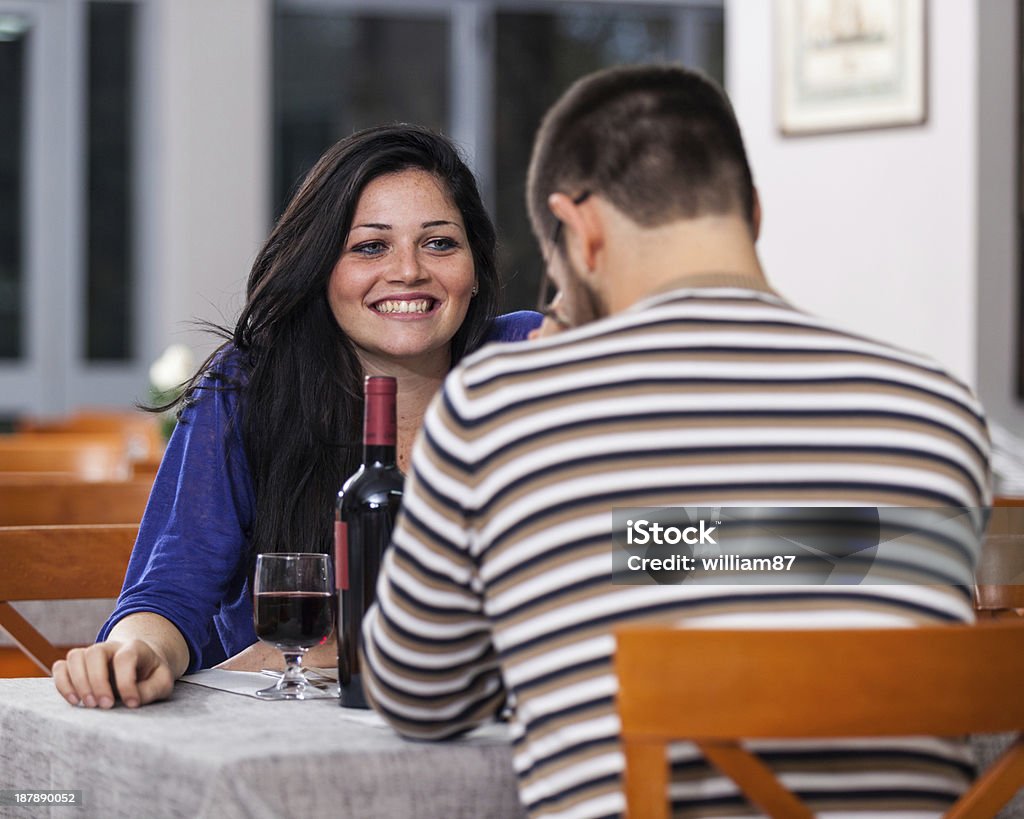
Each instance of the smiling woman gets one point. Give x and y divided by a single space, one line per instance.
403 283
382 263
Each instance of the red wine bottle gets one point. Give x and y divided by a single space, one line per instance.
366 510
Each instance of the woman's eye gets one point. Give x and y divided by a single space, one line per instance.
442 243
369 248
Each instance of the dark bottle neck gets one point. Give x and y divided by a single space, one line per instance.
380 427
379 454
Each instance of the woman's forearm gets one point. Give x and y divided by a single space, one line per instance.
159 632
261 655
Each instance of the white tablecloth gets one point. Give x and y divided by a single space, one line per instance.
207 753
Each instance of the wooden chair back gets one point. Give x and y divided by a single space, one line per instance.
58 563
146 468
37 478
92 456
758 684
62 504
139 430
999 590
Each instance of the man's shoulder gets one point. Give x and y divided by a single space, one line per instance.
919 368
496 362
757 337
788 329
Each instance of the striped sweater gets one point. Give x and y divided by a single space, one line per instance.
498 583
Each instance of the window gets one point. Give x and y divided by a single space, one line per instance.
338 71
538 56
109 317
340 65
14 35
69 293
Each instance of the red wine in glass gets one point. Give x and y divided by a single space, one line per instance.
294 619
293 611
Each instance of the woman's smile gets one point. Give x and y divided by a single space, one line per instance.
406 306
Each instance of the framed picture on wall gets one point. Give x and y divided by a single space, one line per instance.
848 65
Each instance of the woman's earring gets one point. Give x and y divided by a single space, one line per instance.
476 289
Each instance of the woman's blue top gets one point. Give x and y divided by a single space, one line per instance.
190 562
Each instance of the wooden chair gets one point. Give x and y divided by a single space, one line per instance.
37 478
90 456
999 590
139 430
146 468
63 503
717 687
58 563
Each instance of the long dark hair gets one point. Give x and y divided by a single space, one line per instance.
301 411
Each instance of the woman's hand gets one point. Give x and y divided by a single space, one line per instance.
144 655
95 675
554 321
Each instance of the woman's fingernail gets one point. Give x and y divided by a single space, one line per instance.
72 699
90 701
132 703
106 702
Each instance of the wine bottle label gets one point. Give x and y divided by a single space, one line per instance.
341 555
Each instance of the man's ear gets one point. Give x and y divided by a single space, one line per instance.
582 229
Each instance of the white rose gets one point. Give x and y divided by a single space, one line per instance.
172 368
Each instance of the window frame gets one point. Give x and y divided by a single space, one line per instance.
471 47
53 373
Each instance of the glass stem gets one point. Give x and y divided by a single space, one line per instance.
293 665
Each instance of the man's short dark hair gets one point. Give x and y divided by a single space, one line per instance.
660 142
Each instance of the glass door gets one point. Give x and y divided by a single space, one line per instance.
34 212
68 305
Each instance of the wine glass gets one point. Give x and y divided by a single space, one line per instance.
293 610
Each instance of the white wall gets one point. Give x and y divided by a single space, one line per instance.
210 172
877 229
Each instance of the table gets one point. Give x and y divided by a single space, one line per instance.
208 753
